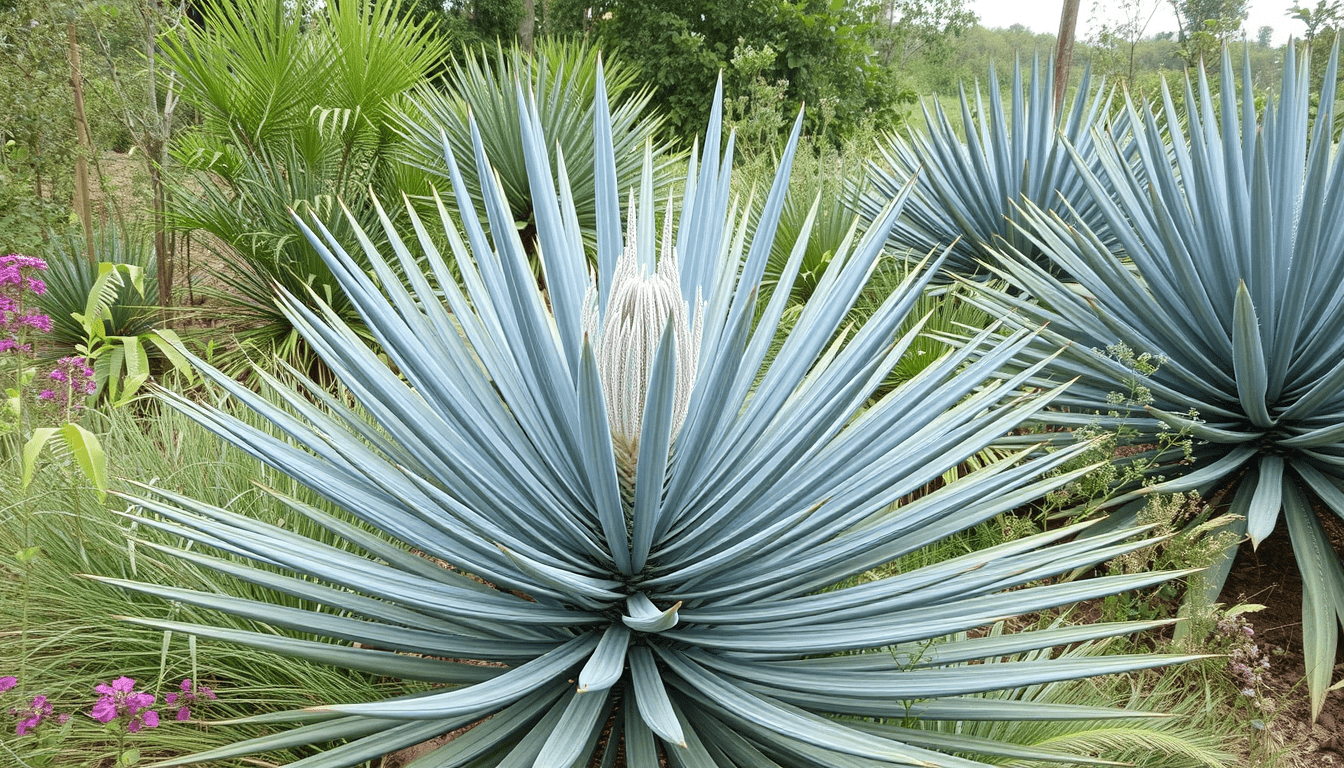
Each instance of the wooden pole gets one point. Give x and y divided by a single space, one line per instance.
83 205
1068 23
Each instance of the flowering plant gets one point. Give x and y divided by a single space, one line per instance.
120 701
39 710
18 284
191 693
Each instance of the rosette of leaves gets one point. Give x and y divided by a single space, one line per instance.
1223 323
71 277
480 88
585 523
967 191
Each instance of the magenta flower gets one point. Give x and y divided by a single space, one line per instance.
189 695
120 700
33 716
8 682
36 320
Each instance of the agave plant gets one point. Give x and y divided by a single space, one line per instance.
967 192
582 520
1235 240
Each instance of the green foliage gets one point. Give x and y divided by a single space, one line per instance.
488 21
295 114
1229 234
482 94
25 215
120 359
37 135
823 51
71 279
1207 26
926 28
66 633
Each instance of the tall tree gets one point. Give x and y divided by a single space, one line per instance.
906 28
1325 15
824 52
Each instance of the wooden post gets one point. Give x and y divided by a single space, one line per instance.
83 205
1068 22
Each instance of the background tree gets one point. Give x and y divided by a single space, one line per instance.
1325 15
1322 24
1117 38
823 48
1207 25
905 28
37 133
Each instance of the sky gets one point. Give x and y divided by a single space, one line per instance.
1043 16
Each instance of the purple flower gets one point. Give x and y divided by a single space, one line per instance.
37 320
190 694
8 682
36 712
21 262
120 700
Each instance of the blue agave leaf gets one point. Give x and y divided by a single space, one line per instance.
967 190
582 720
655 708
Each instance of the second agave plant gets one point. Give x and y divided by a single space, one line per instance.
1234 232
604 531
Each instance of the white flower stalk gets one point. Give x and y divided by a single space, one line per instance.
625 338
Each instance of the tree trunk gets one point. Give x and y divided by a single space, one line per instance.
527 26
83 205
154 142
1068 22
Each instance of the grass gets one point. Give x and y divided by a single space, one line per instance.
61 635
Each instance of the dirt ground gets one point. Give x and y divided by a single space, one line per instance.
1269 577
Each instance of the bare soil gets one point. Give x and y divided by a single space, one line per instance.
1269 577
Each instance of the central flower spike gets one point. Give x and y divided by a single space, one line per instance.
625 340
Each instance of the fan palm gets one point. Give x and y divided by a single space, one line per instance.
295 112
1235 239
601 540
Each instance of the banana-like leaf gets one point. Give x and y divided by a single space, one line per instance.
655 521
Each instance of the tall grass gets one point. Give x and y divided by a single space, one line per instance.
63 634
